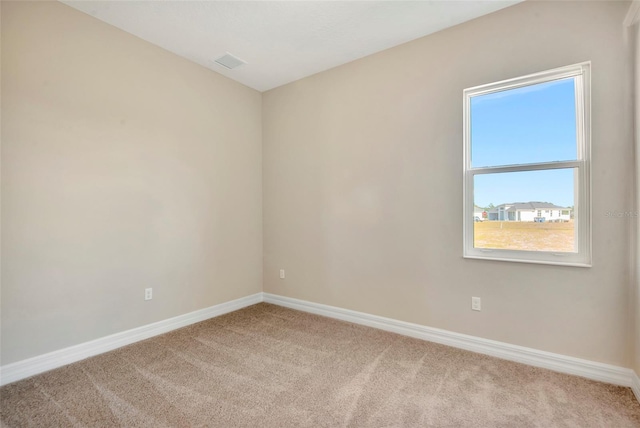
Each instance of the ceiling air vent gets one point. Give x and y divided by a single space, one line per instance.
229 61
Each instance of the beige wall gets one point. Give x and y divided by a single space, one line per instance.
123 167
636 292
362 185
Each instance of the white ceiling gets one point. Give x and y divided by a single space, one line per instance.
282 41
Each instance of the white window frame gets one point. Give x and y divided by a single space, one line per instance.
582 165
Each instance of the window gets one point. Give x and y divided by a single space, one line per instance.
526 155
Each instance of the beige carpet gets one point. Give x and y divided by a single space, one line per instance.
267 366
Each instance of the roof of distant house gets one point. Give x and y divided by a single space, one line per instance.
534 205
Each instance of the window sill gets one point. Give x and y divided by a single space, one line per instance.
539 262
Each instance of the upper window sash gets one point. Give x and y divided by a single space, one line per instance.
579 72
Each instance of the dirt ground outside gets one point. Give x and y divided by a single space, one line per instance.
522 235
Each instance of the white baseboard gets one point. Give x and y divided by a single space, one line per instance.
42 363
635 386
533 357
556 362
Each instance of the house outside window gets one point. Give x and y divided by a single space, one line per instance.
527 150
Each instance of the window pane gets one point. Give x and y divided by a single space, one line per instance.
535 123
531 211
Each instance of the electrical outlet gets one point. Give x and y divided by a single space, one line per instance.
476 304
281 273
148 293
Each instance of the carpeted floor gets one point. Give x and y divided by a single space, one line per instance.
267 366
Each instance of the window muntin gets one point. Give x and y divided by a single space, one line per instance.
527 145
